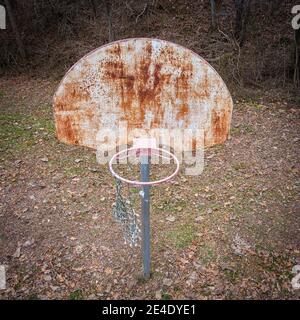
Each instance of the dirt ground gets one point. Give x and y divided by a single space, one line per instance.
231 233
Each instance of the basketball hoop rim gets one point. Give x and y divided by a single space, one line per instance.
140 183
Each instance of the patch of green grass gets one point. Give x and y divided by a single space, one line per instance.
44 128
182 236
206 290
206 254
3 237
235 130
2 94
239 166
46 124
216 207
274 194
13 132
160 247
18 285
166 296
201 207
254 104
94 233
180 205
169 205
76 295
242 129
74 171
216 148
32 296
239 209
248 128
177 289
231 275
20 132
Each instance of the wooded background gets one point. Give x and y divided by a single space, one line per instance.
249 42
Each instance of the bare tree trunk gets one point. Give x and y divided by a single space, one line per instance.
241 19
213 14
297 64
15 29
216 7
94 7
111 36
275 6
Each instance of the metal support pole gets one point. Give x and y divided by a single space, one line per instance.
145 196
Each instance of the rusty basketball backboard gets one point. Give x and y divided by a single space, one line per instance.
145 83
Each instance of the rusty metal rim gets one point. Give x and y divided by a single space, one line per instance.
140 183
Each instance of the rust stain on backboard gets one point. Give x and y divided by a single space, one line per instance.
148 83
219 124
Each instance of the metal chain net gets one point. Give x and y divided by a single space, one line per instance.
124 213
